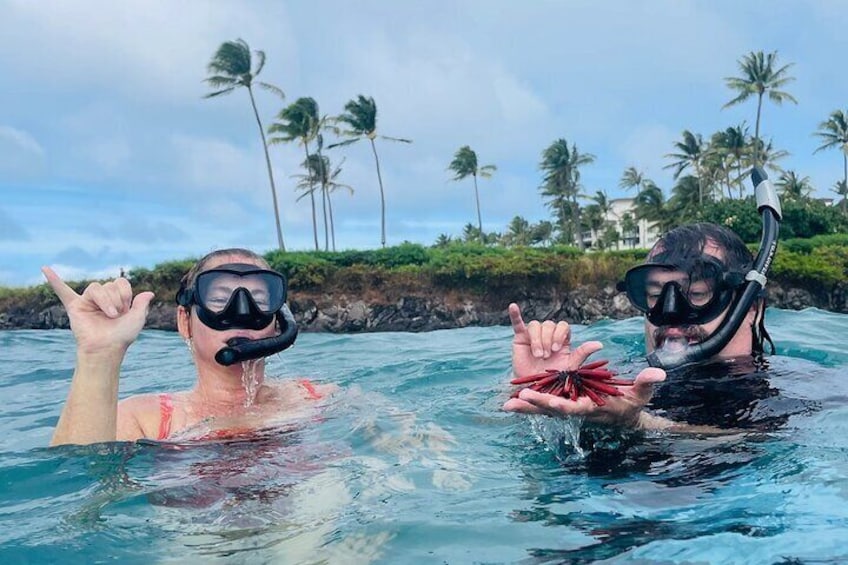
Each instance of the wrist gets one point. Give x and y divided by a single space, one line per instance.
647 421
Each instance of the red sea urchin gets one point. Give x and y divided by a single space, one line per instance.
588 380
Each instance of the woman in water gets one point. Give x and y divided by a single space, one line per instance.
229 298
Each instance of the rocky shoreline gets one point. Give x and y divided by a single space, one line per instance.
383 308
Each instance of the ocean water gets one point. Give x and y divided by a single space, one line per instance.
414 462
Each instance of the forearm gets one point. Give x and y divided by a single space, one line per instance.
652 422
90 412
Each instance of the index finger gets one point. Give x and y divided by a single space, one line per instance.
515 318
65 293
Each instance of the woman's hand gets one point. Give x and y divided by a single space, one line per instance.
105 317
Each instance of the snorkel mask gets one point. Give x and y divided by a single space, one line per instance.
699 290
242 296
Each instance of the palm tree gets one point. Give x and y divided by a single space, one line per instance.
519 232
629 229
734 143
542 232
758 76
443 240
561 182
685 203
232 67
631 178
321 172
769 155
794 187
841 188
691 153
834 133
464 164
299 122
361 117
651 206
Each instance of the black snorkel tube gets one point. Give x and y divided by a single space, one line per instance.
242 349
768 205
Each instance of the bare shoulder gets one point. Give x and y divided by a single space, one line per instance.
138 416
302 388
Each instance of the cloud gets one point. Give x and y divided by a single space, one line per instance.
645 148
153 48
11 230
20 154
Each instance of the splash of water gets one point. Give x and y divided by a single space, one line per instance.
250 380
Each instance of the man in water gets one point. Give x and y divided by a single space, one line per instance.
689 285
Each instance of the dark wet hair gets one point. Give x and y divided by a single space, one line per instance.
686 242
188 279
689 241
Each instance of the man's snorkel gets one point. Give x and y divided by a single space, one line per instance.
768 205
242 349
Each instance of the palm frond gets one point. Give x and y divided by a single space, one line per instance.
402 140
271 88
260 62
218 81
343 143
220 92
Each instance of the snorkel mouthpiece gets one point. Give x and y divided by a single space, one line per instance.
768 205
242 349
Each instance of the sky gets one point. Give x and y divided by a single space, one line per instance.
111 158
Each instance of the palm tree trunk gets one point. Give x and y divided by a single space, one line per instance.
845 165
312 197
323 177
332 222
844 204
579 228
479 218
270 172
382 195
700 186
757 130
324 197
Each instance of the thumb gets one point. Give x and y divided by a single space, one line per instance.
645 380
141 305
65 293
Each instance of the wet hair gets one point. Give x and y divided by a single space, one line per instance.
687 242
188 279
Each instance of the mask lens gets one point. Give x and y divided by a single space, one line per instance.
216 288
699 285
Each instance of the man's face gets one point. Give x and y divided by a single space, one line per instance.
697 291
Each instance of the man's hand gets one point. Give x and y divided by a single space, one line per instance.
105 316
625 410
538 346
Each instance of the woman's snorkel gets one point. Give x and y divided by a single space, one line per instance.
241 296
768 205
242 349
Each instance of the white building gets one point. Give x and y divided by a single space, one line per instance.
644 236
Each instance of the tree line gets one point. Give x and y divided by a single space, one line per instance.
709 173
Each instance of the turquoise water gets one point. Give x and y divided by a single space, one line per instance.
415 463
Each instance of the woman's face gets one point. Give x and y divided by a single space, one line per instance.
206 342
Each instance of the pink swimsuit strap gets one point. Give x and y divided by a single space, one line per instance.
310 389
166 409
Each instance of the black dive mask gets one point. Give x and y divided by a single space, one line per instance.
242 296
690 292
236 296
